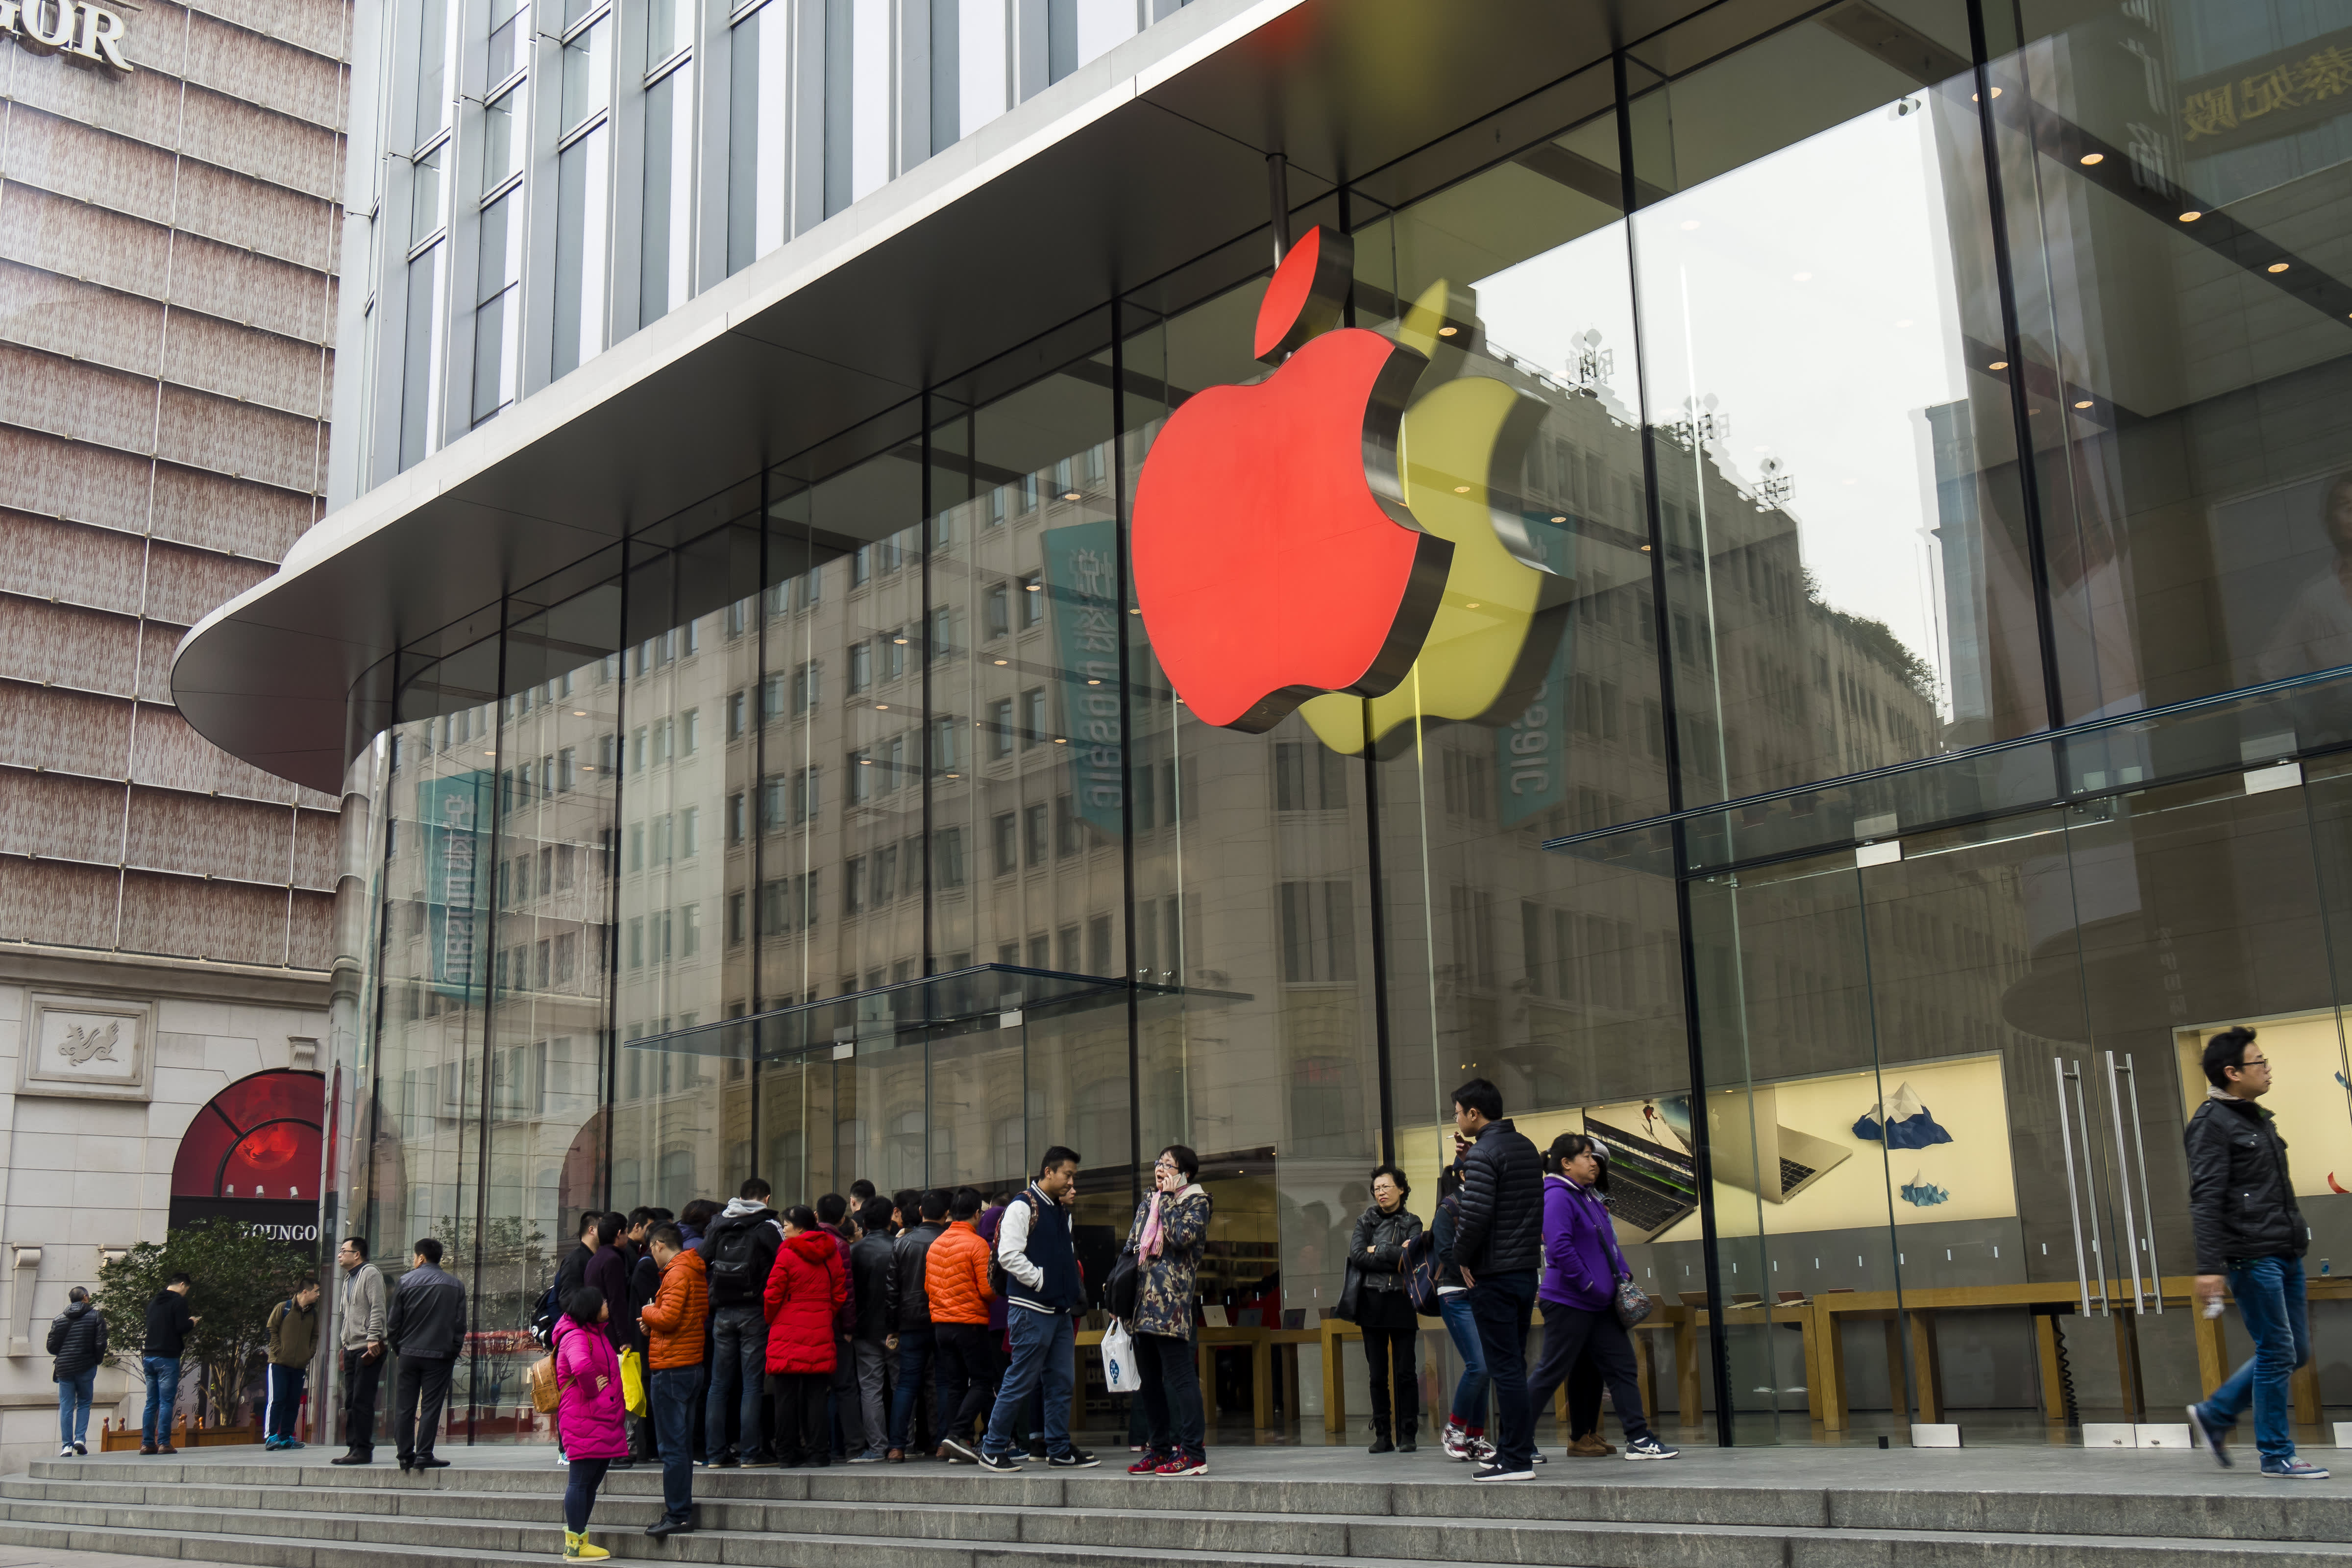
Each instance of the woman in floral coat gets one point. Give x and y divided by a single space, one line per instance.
1171 1227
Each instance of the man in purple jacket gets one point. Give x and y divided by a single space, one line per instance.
1578 1289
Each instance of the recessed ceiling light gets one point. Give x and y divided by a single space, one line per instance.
955 775
1447 332
1036 587
1003 661
1998 364
2084 403
1060 741
1562 518
1471 606
865 762
884 707
580 712
1094 683
1069 495
1645 549
900 641
2276 267
1462 490
587 767
2191 216
2093 159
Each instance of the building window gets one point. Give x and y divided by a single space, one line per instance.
996 609
1032 601
853 884
665 278
738 714
1006 829
861 666
1000 728
1318 932
738 817
758 103
1308 776
689 832
1032 832
947 858
498 311
422 330
861 777
1033 717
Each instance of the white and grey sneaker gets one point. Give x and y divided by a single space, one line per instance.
2212 1436
1650 1449
1498 1473
65 1451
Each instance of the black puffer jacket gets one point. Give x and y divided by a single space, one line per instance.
1386 1236
78 1339
1498 1228
2240 1199
910 1255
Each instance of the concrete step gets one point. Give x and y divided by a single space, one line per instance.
872 1501
301 1524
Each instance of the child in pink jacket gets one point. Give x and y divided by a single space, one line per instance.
588 1411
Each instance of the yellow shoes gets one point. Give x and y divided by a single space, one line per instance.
577 1548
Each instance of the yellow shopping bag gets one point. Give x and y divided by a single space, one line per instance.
632 1382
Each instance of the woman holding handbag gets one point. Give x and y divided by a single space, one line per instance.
587 1412
1583 1273
1392 1328
1170 1229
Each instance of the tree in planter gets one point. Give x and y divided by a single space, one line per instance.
237 1275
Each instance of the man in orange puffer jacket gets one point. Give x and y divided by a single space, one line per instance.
672 1322
955 1277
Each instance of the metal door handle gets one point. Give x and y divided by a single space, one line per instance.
2131 1224
2147 1193
2073 1193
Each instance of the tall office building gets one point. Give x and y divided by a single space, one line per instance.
169 231
1878 711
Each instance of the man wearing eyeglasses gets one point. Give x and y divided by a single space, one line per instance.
2249 1233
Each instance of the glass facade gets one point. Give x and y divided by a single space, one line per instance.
1888 697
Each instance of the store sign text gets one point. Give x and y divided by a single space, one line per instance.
87 34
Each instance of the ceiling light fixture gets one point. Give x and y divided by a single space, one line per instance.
1035 587
1069 495
1462 490
1998 364
2191 216
2092 160
1094 683
2084 403
1447 332
1561 518
1003 662
580 712
2276 267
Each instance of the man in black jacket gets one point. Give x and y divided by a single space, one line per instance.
910 1255
169 1323
739 1250
77 1340
1498 1245
873 1286
2241 1208
427 1330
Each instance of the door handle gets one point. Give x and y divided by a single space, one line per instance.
2123 1183
2147 1193
2073 1191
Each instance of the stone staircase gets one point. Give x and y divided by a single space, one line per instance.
1267 1508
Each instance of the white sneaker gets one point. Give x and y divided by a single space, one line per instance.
65 1451
1650 1449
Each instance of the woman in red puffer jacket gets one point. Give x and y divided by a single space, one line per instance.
807 1283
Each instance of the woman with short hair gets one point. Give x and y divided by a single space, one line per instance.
1384 1311
1578 1289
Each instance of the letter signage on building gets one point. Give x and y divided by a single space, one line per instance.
450 810
85 34
1082 583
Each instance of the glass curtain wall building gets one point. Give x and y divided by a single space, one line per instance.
1885 711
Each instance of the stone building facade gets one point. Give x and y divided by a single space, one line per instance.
168 254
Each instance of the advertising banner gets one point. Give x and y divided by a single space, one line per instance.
1082 585
1531 750
448 813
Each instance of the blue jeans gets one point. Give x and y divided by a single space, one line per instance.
672 1395
162 1395
1044 1354
1470 1394
916 1347
1503 1304
2270 1299
739 1366
74 1391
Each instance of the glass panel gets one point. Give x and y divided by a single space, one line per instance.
587 74
421 329
497 326
2168 166
666 274
425 196
669 24
582 203
502 149
552 931
432 104
755 137
509 31
1847 570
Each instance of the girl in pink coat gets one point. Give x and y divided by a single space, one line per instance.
588 1411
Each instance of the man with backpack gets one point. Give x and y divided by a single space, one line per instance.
1039 1260
293 1329
738 1251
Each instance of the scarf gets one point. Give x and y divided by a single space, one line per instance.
1149 1246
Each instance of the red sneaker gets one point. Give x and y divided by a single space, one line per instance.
1182 1465
1151 1461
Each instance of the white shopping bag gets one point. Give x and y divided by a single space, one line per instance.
1120 1369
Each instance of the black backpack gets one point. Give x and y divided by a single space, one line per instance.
542 1317
732 1261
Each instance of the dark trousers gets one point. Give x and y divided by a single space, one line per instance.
1172 1419
282 1399
1503 1304
1583 1397
844 1423
1394 1352
360 1377
969 1368
1570 1336
801 1437
416 1424
739 1364
674 1395
918 1349
579 1491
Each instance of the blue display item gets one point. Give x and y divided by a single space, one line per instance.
1901 1123
1924 1194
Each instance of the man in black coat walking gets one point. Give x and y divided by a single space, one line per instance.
426 1326
1498 1245
77 1340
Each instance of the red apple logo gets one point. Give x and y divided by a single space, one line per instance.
1275 556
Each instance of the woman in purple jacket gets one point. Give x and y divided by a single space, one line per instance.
1582 1265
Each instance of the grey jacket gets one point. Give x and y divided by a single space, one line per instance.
359 1308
